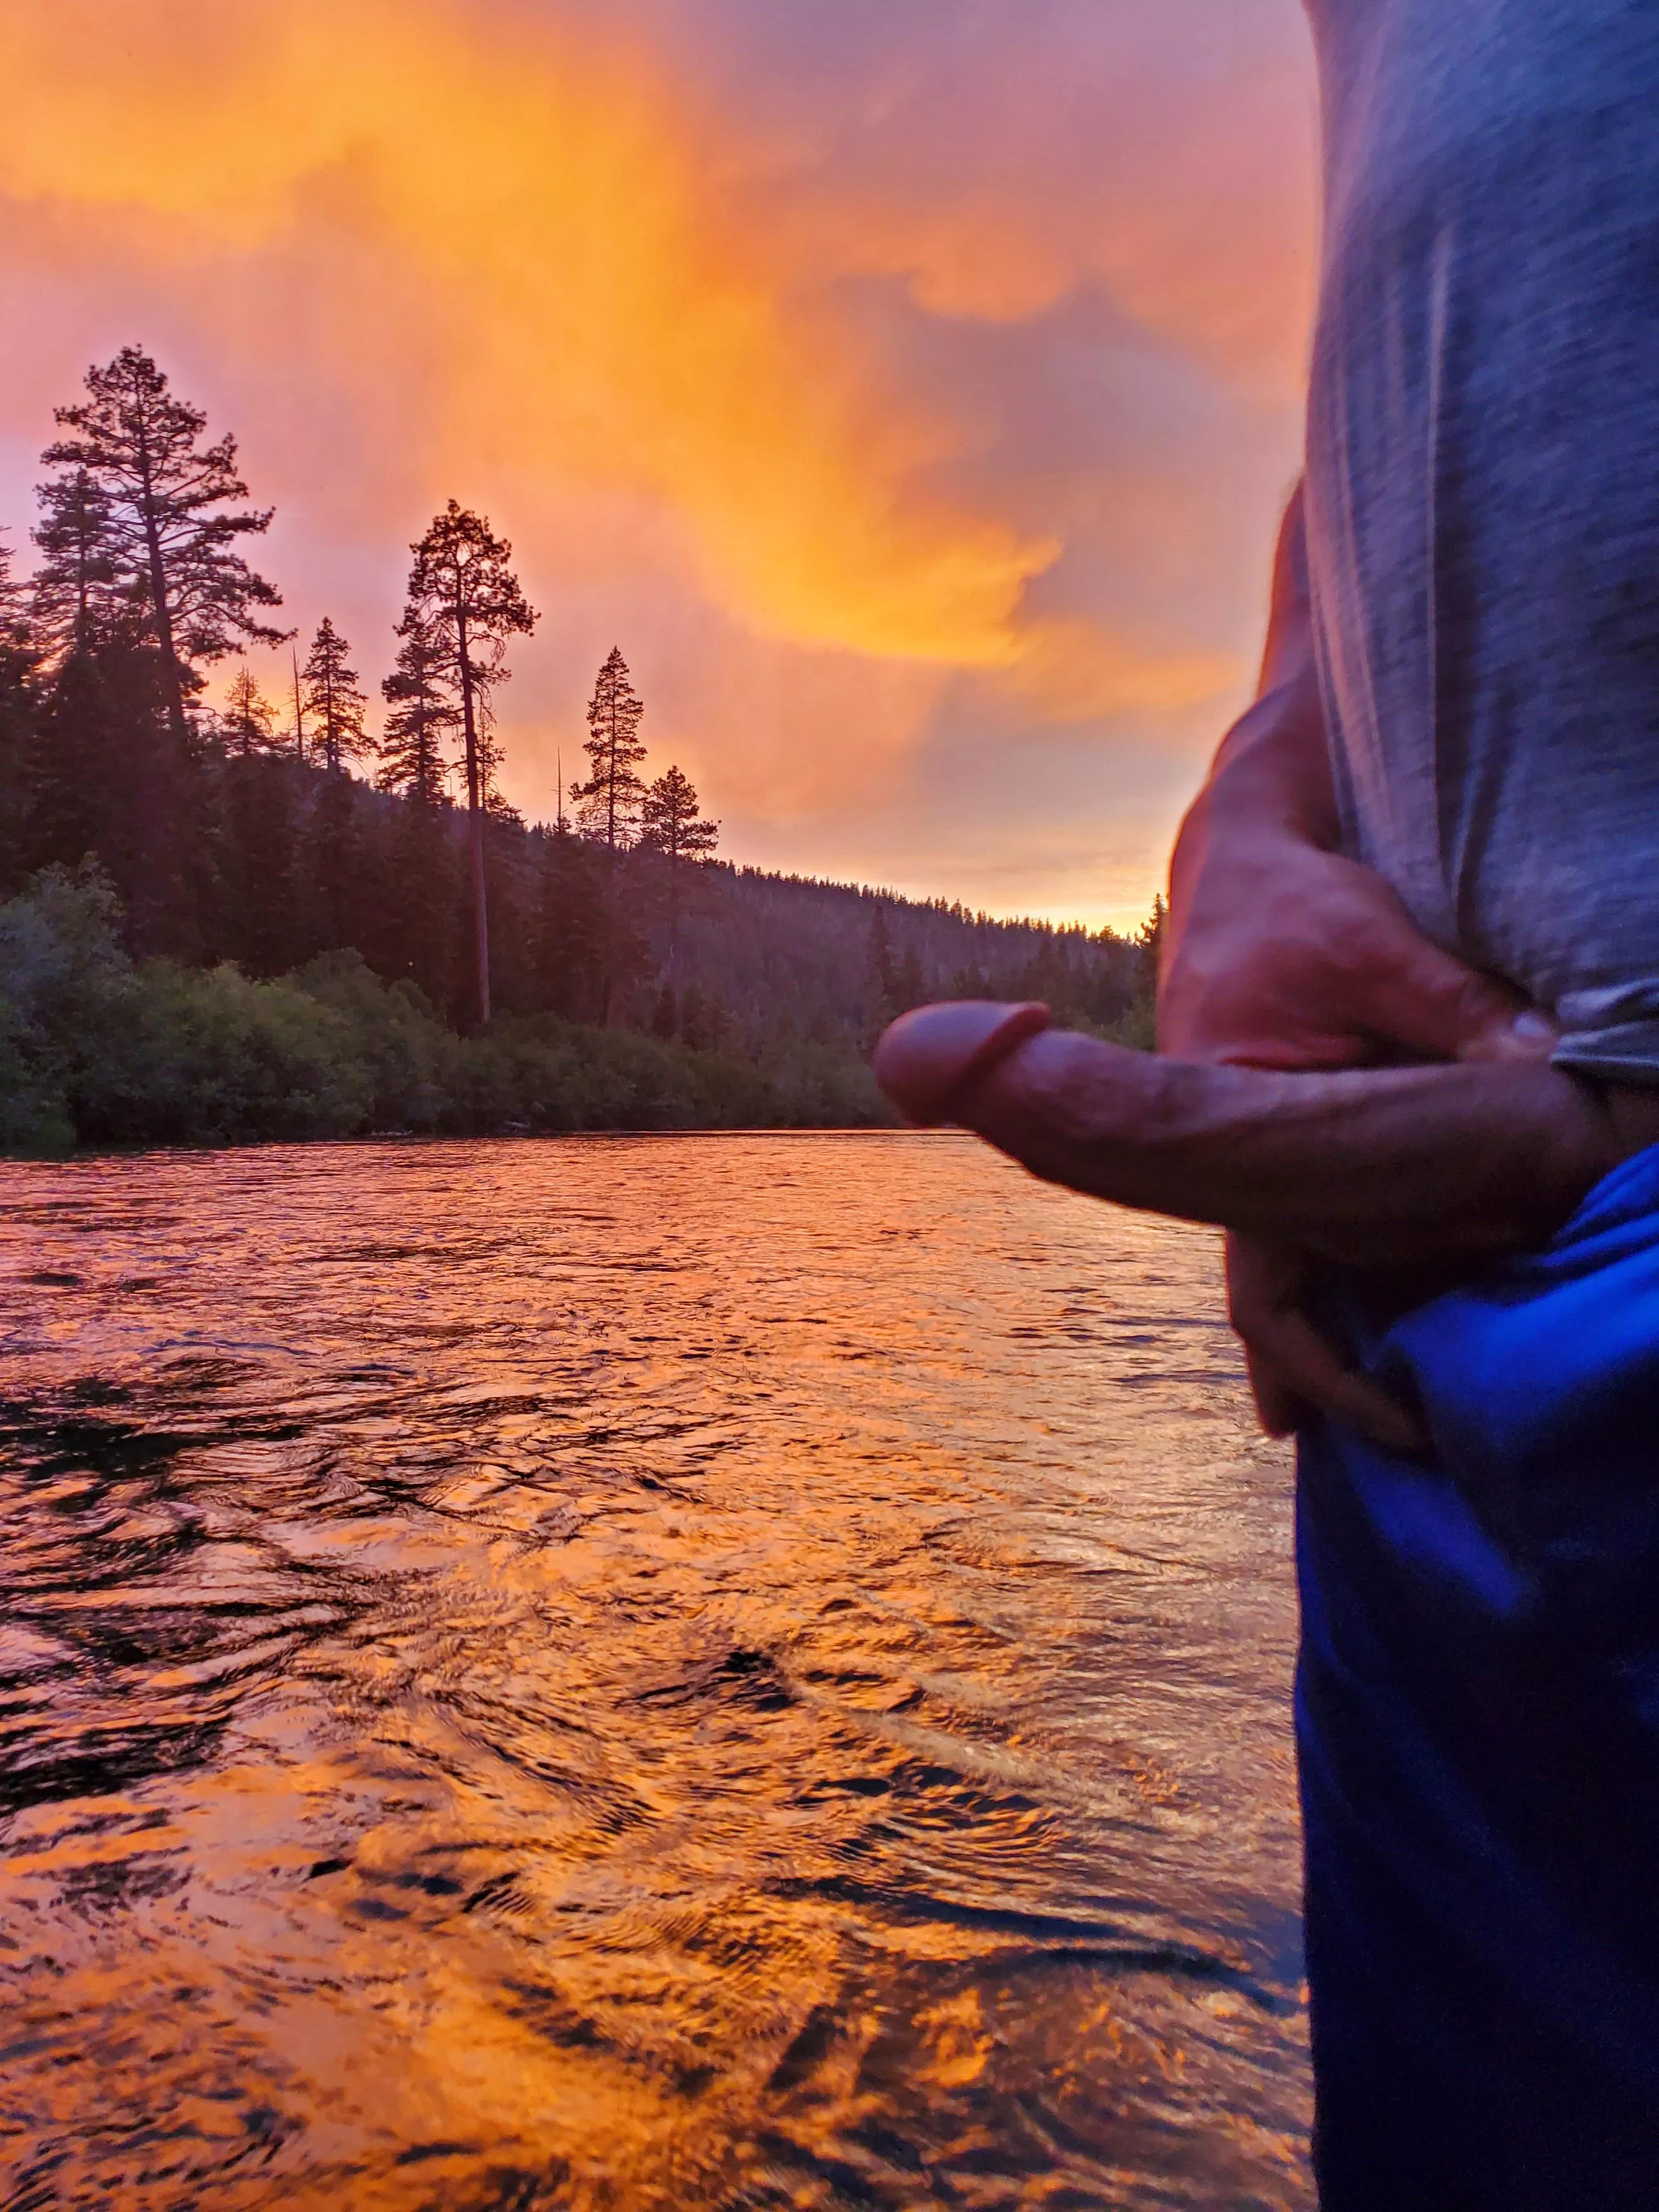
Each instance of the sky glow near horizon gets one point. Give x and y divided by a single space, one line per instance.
908 386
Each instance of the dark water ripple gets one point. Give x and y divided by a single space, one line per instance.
645 1673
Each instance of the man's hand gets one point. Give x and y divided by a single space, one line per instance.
1281 953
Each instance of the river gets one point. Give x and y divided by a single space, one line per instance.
664 1671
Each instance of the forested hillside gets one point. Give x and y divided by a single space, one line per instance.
447 964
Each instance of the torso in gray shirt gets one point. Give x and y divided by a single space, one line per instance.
1483 486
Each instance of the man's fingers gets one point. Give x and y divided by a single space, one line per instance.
1412 994
1278 1409
1292 1365
1305 1369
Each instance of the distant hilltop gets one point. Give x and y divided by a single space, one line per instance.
147 838
755 1008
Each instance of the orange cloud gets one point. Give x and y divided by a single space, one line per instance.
598 316
686 347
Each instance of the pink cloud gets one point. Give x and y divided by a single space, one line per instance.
902 389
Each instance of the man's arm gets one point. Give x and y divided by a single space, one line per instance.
1281 953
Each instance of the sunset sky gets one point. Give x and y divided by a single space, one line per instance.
908 386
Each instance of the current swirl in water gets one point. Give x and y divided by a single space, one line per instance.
670 1672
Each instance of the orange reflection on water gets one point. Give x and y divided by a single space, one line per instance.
640 1672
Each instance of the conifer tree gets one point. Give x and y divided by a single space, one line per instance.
414 764
173 526
422 718
20 660
80 801
608 807
20 651
466 603
670 826
669 822
1149 946
249 721
609 803
75 597
333 698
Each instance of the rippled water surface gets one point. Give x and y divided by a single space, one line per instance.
662 1672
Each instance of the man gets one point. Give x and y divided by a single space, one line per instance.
1434 837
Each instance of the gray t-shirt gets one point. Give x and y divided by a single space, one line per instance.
1483 486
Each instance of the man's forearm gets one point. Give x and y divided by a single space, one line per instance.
1279 950
1272 769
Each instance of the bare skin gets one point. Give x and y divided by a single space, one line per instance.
1368 1169
1282 953
1388 1168
1292 976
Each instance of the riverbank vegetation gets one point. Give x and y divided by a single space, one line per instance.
230 920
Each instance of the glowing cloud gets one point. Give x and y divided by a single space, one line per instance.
773 337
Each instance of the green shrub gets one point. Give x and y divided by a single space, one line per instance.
410 1061
96 1050
208 1057
65 986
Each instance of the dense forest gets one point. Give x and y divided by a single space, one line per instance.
259 917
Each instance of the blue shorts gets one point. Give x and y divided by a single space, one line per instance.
1478 1725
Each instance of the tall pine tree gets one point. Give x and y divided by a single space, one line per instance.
19 647
608 807
171 521
670 826
249 721
421 720
78 603
608 804
172 518
20 660
334 699
465 602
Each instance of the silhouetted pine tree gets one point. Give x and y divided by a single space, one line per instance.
164 505
421 881
608 804
670 827
166 497
608 807
465 602
1148 952
19 662
20 643
105 777
74 784
333 699
249 720
77 603
421 721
